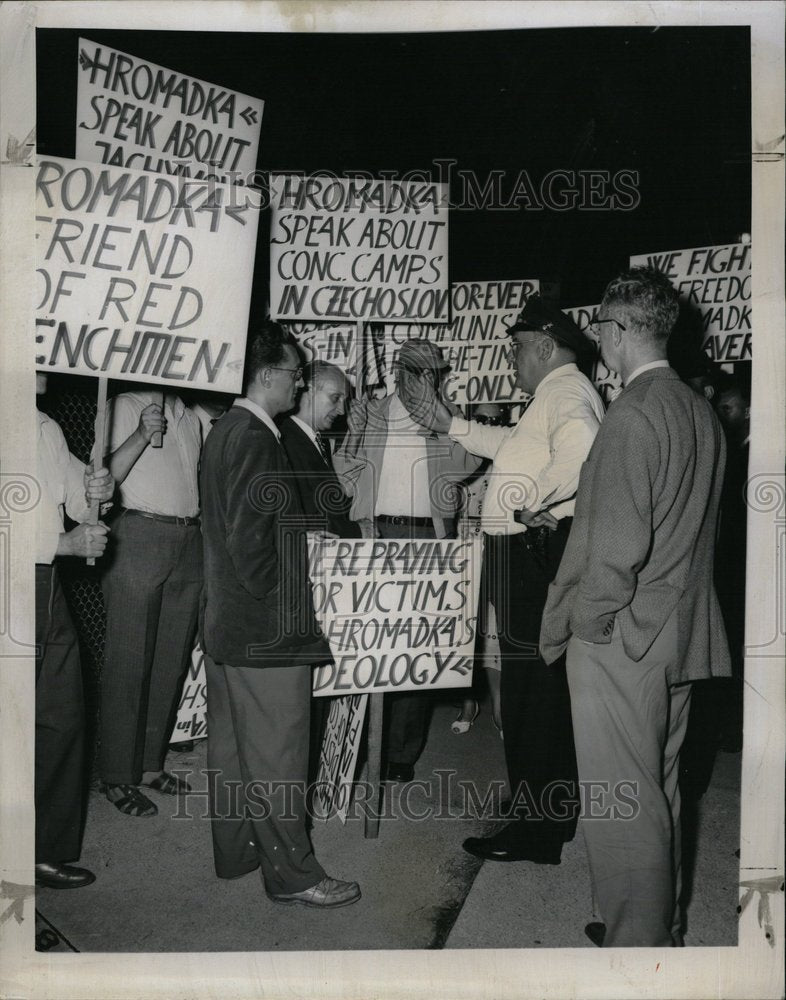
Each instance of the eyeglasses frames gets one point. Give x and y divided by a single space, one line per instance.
593 327
296 373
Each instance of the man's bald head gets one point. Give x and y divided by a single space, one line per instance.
324 397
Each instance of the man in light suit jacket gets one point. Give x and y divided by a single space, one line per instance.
403 481
261 638
634 605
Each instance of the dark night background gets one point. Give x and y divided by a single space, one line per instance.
671 103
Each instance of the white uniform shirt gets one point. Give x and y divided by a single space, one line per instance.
537 462
61 478
162 480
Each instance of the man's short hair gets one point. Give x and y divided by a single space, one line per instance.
649 299
316 371
265 348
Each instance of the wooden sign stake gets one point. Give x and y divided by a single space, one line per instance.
376 704
157 439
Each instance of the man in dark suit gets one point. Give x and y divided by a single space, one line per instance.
324 502
304 436
261 639
634 605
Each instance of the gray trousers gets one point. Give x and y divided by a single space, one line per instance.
151 590
629 723
257 738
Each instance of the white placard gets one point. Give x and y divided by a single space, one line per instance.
716 281
191 719
338 756
399 614
133 113
349 249
475 344
142 276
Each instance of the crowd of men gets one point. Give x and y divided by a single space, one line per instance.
600 532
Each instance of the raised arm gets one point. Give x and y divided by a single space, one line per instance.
130 436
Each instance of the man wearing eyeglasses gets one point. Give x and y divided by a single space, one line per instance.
634 606
261 639
526 519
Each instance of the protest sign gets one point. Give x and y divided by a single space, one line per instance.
132 113
604 380
357 249
715 281
140 276
191 719
341 344
338 757
475 344
399 614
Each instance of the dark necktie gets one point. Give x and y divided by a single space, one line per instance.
324 449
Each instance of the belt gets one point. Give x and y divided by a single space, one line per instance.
420 522
535 539
166 518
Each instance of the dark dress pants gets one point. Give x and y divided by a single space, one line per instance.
536 716
59 724
151 590
408 712
257 736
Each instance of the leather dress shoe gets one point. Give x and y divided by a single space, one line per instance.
497 849
596 932
400 772
327 894
48 876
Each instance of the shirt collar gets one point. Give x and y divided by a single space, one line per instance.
307 428
663 363
256 409
569 368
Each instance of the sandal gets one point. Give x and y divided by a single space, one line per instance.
131 802
462 726
168 784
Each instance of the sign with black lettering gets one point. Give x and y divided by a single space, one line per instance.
132 113
191 719
399 614
475 344
338 756
342 345
351 249
605 380
141 276
716 281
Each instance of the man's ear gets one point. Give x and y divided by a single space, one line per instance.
545 348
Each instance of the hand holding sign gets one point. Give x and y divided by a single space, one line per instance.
151 422
87 541
98 485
